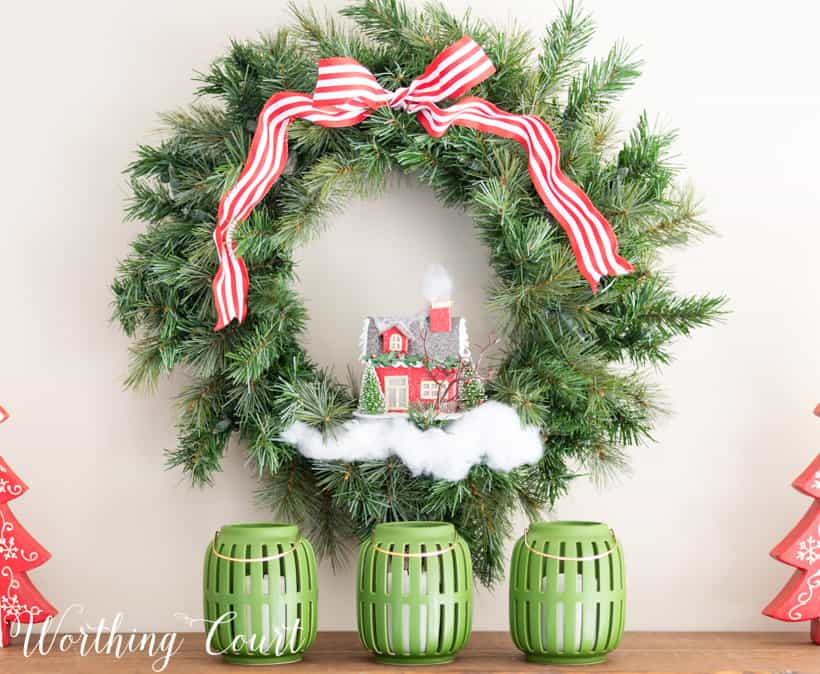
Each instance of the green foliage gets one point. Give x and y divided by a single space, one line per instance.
573 362
371 398
425 415
393 359
566 38
320 403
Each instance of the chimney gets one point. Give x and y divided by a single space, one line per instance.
440 316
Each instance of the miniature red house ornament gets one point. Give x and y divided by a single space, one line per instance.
799 600
413 362
20 602
417 359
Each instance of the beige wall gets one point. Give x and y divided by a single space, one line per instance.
82 82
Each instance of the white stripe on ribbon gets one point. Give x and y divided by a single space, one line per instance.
363 82
346 93
433 75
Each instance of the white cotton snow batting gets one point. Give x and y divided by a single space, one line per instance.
491 433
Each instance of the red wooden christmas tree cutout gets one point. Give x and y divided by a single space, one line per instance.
20 602
800 599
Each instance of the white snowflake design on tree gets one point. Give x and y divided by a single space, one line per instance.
809 550
815 484
11 609
8 548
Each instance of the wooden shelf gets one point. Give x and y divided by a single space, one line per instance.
340 653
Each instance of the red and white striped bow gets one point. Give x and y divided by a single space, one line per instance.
346 93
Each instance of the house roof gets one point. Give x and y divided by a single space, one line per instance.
438 345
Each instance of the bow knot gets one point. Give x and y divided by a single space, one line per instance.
398 101
346 93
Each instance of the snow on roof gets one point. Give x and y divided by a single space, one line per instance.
439 345
408 325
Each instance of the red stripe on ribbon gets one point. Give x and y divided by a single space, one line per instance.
345 94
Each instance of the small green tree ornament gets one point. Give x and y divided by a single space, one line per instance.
371 398
472 388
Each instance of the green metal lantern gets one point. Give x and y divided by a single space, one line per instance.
415 593
567 592
260 593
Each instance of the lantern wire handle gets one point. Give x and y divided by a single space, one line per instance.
561 558
268 558
408 555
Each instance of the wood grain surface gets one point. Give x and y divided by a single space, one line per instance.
341 653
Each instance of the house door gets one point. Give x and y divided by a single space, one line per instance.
395 393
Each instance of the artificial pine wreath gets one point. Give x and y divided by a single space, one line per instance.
573 361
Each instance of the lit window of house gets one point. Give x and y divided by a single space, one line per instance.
429 390
395 343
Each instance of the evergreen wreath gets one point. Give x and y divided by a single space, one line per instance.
574 363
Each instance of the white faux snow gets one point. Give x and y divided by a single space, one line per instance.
437 285
491 433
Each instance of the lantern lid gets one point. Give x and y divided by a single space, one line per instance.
405 533
276 533
569 529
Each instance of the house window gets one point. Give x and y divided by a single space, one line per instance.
429 390
395 342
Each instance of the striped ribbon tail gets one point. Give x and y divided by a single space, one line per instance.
345 94
592 239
